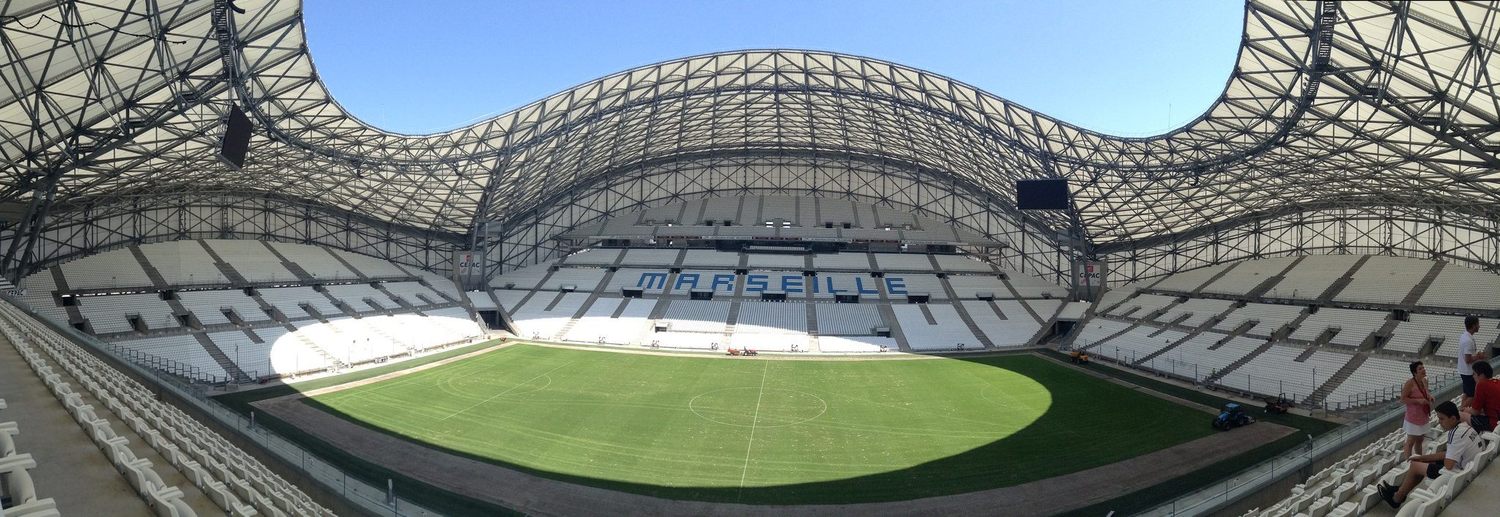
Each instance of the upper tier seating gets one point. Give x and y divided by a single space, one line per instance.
315 261
373 268
968 287
1248 275
650 257
1032 287
183 263
593 257
764 261
903 262
104 271
580 279
1384 280
1462 287
856 261
524 278
253 260
1312 276
1189 281
962 264
710 258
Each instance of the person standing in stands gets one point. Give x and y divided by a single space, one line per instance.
1462 446
1418 407
1467 355
1483 410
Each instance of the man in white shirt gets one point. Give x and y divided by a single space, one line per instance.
1462 445
1467 355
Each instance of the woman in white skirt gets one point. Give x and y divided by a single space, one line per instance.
1418 409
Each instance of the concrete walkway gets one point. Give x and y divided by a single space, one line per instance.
69 468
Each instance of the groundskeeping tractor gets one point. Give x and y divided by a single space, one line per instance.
1233 415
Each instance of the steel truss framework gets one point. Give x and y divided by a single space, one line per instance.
884 182
1382 112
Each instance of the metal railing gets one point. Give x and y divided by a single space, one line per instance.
1262 475
376 500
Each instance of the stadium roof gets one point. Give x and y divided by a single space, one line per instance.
1329 104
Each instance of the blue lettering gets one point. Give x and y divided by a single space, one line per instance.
755 283
725 280
686 278
859 287
789 282
895 285
652 281
834 290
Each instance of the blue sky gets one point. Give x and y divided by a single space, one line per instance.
1131 68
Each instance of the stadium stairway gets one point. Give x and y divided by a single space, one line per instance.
1336 379
151 272
1338 285
1132 325
963 313
1206 325
1214 377
1237 332
1269 283
1017 295
337 363
1421 288
1199 290
1046 328
888 314
363 278
223 359
812 315
223 266
397 300
296 269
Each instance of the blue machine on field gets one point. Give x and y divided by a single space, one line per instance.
1231 417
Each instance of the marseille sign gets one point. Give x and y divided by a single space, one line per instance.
758 283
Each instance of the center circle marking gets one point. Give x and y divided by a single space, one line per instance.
736 407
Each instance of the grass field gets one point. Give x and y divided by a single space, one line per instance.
769 431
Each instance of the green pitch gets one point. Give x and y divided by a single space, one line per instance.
771 431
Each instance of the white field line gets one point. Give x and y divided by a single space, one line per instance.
746 468
508 390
